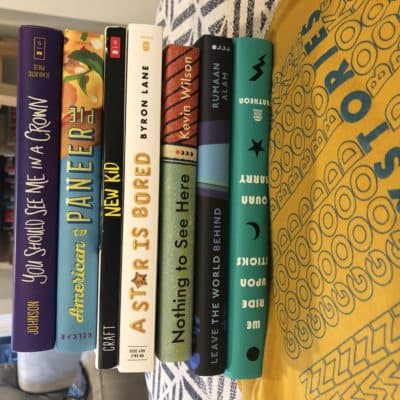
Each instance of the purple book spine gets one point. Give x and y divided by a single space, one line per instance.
37 185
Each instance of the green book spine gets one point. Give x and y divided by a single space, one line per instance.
177 202
248 242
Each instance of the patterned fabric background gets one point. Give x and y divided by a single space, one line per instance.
175 381
184 21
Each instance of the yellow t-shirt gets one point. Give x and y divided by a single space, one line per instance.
334 174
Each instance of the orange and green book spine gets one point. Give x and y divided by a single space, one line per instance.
80 176
177 202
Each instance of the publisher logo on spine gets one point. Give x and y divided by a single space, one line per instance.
115 47
146 45
39 48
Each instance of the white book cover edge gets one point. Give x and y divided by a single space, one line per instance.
141 188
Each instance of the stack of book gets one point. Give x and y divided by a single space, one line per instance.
141 222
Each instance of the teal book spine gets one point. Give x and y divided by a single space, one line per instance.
80 178
248 241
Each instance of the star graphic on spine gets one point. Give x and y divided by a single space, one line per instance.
139 280
256 147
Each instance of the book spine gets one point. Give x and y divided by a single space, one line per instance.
141 187
177 202
37 181
80 175
248 244
111 203
212 206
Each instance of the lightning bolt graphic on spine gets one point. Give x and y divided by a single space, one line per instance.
258 68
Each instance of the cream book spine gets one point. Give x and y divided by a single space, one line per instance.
141 188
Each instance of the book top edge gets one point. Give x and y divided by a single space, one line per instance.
39 27
179 46
149 26
244 39
79 32
212 38
110 27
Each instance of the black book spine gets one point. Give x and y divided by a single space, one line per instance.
212 197
112 202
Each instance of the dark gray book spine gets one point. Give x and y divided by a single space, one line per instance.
111 202
212 205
